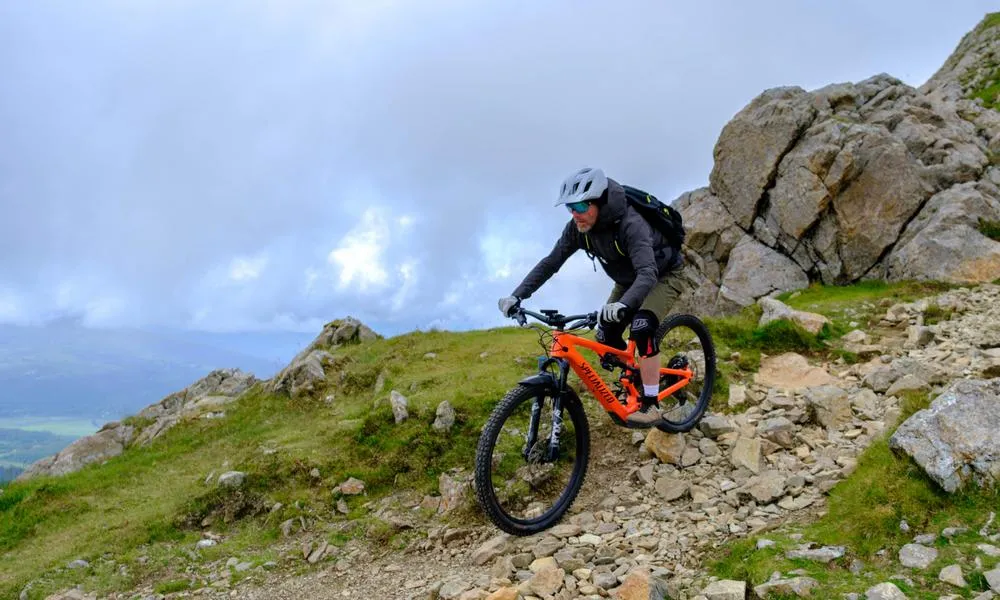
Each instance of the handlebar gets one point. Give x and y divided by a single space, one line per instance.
552 318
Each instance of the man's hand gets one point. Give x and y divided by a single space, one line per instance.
613 312
508 304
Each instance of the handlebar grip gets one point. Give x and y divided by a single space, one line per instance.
620 314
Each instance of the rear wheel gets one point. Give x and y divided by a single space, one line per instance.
521 485
685 342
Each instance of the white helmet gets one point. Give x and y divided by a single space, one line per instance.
586 185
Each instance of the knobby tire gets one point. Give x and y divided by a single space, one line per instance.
485 494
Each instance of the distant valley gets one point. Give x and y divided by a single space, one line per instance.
63 381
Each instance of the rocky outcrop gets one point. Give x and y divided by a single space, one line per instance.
308 369
874 179
204 398
107 443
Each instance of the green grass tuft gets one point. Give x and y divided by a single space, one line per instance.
989 21
990 229
170 587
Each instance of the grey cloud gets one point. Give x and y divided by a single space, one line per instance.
146 146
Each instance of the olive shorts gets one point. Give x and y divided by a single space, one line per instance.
660 299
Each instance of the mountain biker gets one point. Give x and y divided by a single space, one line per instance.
635 256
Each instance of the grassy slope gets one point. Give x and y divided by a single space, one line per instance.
148 502
989 91
154 494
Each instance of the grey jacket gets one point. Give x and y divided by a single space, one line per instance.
641 257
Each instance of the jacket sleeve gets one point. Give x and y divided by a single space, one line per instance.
565 246
638 239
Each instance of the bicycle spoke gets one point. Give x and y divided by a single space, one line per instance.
528 482
685 345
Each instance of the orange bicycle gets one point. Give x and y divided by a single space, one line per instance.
531 461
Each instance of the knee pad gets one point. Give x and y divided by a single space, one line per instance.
609 335
643 331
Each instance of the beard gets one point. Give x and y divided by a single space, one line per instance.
584 228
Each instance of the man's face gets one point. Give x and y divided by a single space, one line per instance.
586 219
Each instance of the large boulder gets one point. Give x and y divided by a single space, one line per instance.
755 271
955 439
752 145
944 242
851 181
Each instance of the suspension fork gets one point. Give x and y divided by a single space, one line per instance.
556 387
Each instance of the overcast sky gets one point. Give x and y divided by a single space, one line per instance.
240 165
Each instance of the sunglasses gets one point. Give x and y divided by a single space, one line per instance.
578 207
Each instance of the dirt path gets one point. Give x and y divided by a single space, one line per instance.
409 575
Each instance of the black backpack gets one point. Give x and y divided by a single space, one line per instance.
661 217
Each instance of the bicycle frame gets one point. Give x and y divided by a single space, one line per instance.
564 346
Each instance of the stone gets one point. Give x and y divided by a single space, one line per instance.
715 425
829 406
540 564
774 310
943 242
751 146
640 585
884 591
444 416
952 574
825 554
725 589
453 488
800 587
779 430
954 439
737 395
232 479
917 556
907 383
993 579
855 336
668 447
490 549
672 489
766 487
547 582
747 453
399 406
790 372
352 487
504 593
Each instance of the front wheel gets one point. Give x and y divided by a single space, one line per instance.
521 483
685 342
